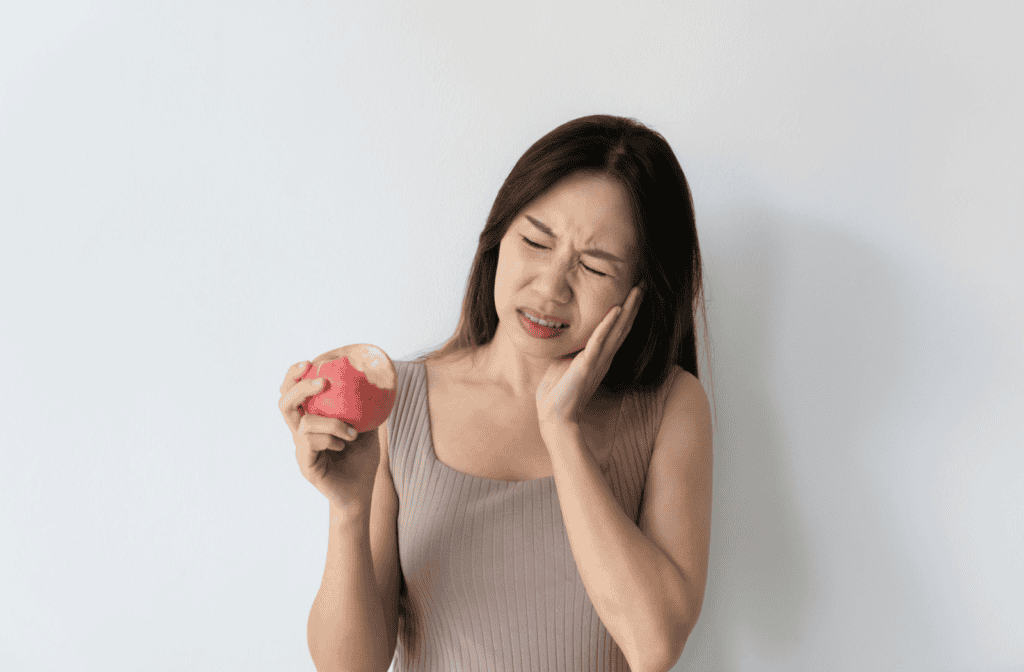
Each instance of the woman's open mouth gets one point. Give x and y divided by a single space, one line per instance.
538 330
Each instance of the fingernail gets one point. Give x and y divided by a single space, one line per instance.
351 433
318 382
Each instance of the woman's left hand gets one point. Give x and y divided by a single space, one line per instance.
568 385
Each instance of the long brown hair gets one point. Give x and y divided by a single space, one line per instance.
670 265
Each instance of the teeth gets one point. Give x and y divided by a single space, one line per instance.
544 323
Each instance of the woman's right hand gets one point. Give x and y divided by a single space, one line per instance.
339 466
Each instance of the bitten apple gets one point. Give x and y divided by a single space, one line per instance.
360 386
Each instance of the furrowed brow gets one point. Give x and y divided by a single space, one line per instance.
594 252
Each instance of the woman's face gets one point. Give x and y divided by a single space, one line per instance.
570 254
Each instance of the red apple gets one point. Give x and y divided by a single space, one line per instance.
360 387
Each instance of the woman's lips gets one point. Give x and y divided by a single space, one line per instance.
538 331
541 316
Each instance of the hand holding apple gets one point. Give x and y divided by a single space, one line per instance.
339 464
360 386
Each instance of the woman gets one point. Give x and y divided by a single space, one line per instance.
541 493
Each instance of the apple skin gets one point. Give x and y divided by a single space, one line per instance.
349 396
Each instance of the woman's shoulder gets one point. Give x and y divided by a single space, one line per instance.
649 402
676 375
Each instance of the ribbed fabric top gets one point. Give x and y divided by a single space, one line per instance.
490 582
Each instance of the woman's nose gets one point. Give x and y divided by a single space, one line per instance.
555 279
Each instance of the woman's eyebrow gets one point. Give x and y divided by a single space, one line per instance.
594 252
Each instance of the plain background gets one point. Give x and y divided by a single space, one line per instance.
195 196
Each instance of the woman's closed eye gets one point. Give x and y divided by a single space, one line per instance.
541 247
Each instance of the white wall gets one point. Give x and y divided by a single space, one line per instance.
196 196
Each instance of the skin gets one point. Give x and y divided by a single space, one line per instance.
584 210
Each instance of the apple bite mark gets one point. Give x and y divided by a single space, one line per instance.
377 369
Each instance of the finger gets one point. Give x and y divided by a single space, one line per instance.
295 372
308 449
599 337
606 323
608 332
624 325
612 321
613 334
292 399
629 305
314 444
316 424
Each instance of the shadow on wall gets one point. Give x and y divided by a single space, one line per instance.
808 344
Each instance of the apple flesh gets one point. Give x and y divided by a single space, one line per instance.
360 386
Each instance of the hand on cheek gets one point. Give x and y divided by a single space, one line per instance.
579 348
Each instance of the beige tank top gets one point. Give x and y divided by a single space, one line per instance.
489 580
